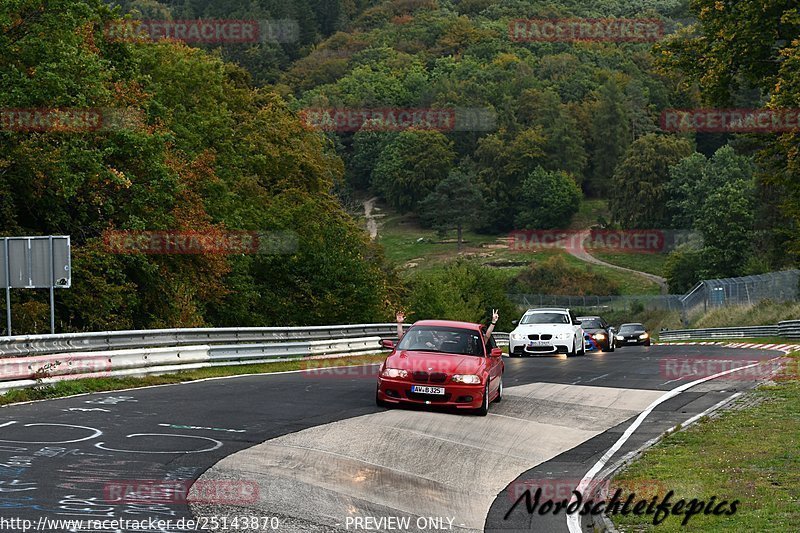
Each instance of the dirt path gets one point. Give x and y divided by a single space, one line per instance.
581 253
372 224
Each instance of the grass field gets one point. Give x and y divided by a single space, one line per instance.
650 263
750 454
414 249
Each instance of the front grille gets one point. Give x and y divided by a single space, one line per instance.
420 376
438 377
543 337
533 337
546 337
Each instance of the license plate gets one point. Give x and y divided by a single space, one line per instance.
420 389
537 344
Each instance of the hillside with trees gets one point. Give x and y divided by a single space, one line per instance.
202 151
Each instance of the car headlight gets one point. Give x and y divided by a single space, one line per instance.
517 336
394 373
599 336
469 379
620 338
562 336
643 336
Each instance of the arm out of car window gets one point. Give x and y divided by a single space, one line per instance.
400 316
490 329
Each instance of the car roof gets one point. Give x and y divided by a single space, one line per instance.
448 323
548 309
589 318
632 324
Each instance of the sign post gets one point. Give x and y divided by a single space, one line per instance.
7 279
35 263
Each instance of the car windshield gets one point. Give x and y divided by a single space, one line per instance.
591 323
455 341
545 318
632 328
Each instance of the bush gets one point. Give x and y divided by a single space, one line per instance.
683 270
462 290
556 276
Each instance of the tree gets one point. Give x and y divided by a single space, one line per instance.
454 204
684 268
410 167
736 53
200 151
368 144
640 187
503 161
564 145
610 135
695 178
726 222
548 199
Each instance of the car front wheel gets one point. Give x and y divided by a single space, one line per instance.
483 410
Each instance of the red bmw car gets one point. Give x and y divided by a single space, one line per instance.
439 362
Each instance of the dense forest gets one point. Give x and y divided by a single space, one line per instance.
218 142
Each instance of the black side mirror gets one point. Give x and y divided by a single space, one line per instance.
576 322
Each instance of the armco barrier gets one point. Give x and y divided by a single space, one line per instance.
120 340
20 372
720 333
789 329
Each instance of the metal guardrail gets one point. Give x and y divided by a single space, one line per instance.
501 338
789 330
21 372
120 340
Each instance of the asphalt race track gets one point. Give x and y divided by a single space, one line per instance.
314 453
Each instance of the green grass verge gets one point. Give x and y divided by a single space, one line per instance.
650 263
62 389
764 313
750 454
